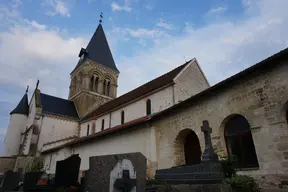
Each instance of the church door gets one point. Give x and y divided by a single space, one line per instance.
192 149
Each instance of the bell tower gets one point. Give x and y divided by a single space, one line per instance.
94 80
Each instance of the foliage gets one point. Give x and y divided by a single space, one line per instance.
228 166
35 164
241 183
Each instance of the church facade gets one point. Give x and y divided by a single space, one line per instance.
162 119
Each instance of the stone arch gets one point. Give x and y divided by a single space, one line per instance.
239 141
109 77
97 73
187 148
222 129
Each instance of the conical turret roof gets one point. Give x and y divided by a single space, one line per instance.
22 107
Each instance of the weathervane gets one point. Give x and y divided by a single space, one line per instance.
101 17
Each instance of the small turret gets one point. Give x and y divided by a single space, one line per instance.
17 124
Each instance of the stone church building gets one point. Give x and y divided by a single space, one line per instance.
162 119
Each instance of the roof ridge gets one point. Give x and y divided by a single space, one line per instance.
141 87
56 97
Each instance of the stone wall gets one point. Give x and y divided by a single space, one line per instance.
260 98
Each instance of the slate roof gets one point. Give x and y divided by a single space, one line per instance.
58 106
263 66
98 50
138 92
22 107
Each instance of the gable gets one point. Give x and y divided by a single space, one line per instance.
147 88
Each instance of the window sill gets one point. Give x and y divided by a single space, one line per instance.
247 169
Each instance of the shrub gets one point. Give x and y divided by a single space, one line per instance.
228 166
241 183
35 164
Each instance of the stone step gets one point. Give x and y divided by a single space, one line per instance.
275 190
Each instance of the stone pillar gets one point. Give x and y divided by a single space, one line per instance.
85 82
113 90
100 86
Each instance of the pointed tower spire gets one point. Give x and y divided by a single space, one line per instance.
22 107
98 49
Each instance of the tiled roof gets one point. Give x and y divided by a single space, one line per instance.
265 65
98 50
58 106
22 107
102 133
138 92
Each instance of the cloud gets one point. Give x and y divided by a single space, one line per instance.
2 131
217 10
149 6
116 7
164 24
56 7
222 49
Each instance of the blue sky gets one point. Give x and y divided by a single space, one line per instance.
40 39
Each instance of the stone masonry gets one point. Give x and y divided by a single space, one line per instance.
260 98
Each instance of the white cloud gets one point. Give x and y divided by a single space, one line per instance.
116 7
149 6
56 7
217 10
164 24
222 49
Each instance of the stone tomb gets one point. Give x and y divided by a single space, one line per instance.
208 172
67 171
116 173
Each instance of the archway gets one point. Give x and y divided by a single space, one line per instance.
187 148
239 142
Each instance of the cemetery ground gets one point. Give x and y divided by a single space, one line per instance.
127 173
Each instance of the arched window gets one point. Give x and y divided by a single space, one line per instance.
102 128
239 142
88 129
96 84
108 88
148 107
91 83
93 128
104 87
122 117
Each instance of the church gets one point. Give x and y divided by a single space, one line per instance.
162 119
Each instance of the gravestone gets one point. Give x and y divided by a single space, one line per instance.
11 180
30 180
116 173
67 171
208 172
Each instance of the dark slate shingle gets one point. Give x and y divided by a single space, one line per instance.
98 50
22 107
58 106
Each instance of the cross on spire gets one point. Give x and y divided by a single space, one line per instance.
27 88
37 84
101 17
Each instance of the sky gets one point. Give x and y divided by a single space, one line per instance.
41 39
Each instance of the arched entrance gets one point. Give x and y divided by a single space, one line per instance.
187 148
239 142
192 149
